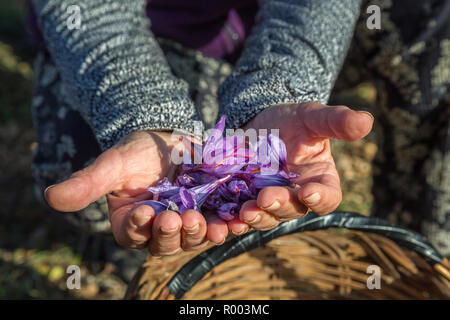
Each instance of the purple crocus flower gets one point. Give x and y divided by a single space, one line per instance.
164 188
240 189
185 180
226 155
189 198
232 171
228 211
214 200
214 137
261 181
194 198
156 205
225 193
271 155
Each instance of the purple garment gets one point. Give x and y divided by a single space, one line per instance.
217 28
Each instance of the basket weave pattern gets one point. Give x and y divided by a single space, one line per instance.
323 264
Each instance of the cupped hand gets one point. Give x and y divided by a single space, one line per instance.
305 129
123 173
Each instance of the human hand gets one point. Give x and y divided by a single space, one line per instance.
123 173
305 129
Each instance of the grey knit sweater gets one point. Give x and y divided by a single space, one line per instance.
118 78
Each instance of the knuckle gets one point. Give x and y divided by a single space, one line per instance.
170 252
195 237
169 234
266 225
196 247
189 242
291 211
159 249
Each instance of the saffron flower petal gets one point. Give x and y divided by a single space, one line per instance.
156 205
214 137
240 189
261 181
164 188
228 211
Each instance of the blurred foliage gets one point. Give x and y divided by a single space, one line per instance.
11 20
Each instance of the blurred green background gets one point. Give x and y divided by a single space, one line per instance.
35 246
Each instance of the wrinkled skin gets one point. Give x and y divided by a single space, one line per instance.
143 158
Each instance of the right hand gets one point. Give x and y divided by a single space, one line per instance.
123 173
306 129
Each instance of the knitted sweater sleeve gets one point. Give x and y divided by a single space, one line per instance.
113 68
293 54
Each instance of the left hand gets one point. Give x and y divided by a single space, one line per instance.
123 173
305 129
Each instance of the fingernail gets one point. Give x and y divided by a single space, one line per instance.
368 113
192 230
244 230
221 242
46 189
313 199
170 231
274 206
140 218
256 219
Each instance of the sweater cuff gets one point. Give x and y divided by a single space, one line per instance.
249 94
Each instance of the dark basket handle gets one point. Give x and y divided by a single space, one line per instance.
201 264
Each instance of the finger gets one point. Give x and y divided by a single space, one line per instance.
132 229
193 234
320 188
217 229
321 197
166 237
308 172
336 122
257 218
237 226
87 185
281 202
117 203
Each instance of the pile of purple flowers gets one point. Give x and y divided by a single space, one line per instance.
232 171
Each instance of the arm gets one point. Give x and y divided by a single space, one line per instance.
119 79
294 54
114 69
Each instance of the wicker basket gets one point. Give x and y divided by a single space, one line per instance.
290 262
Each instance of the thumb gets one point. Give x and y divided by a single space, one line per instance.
87 185
336 122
